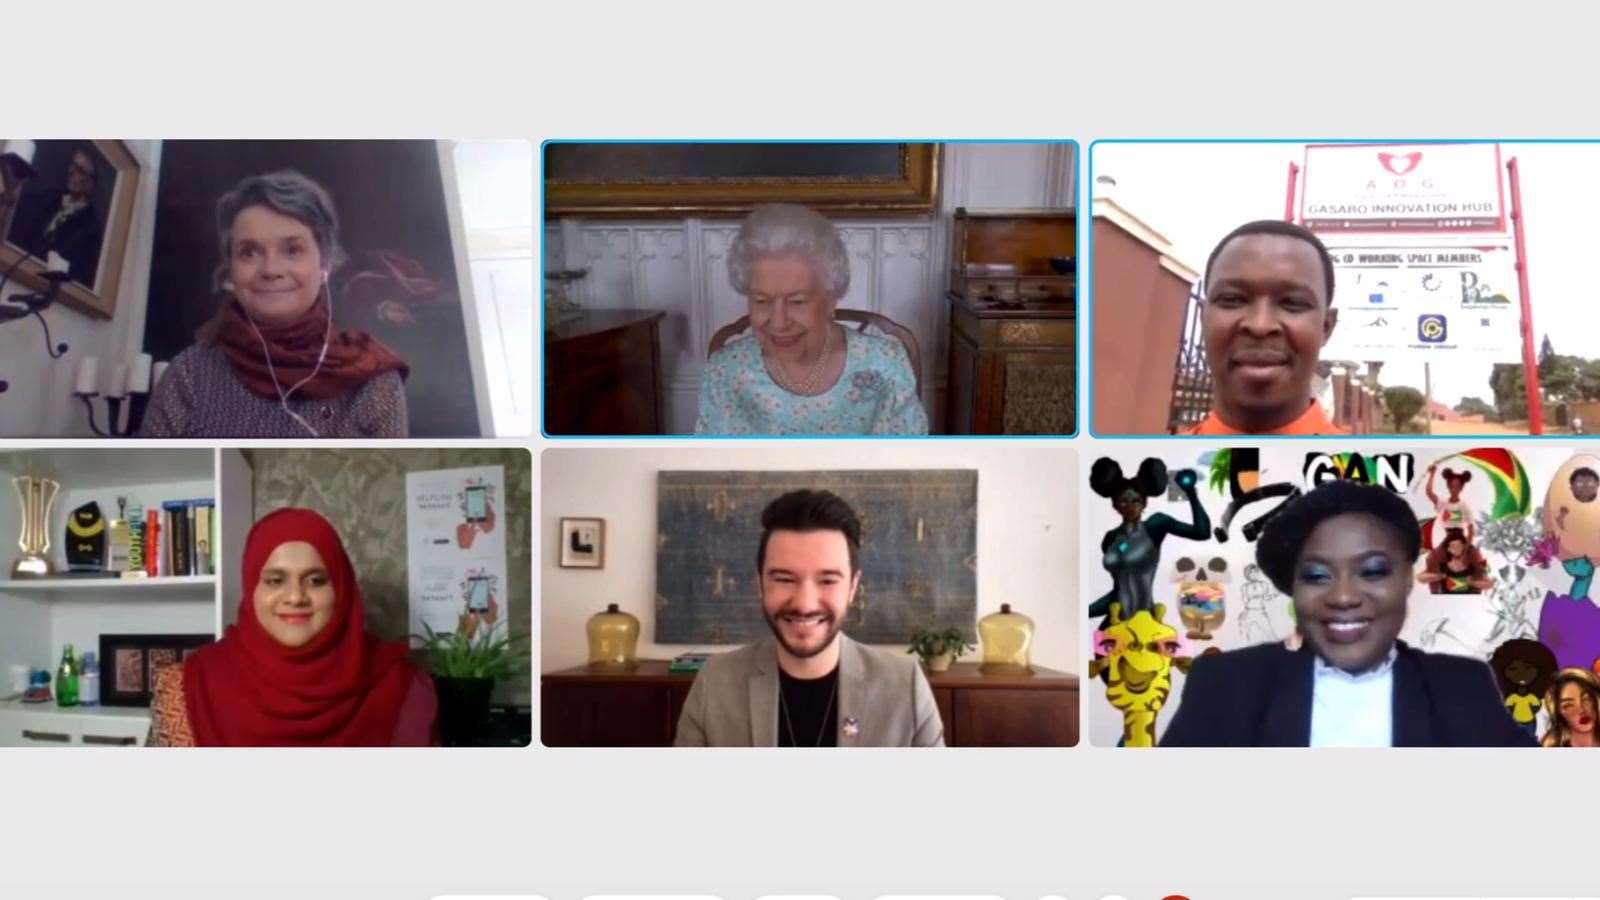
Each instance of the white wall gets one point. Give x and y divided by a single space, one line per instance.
494 183
898 266
40 402
1027 531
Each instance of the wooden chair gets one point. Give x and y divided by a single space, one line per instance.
863 320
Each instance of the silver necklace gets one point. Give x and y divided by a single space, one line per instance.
808 386
788 725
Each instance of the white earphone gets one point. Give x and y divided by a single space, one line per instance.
327 335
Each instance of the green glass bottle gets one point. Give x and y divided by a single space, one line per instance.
67 679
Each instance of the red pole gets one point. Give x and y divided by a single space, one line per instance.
1288 202
1530 363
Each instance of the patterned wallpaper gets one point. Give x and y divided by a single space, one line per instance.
362 492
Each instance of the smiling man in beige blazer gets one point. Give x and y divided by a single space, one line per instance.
809 685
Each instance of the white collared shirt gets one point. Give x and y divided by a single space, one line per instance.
1353 710
69 206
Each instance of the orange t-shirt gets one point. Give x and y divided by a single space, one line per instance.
1312 421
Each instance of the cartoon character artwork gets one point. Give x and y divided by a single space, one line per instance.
1202 595
1569 624
1255 622
1455 566
1571 703
1523 669
1451 513
1239 470
1134 656
1131 551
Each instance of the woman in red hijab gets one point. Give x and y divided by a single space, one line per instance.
271 364
299 668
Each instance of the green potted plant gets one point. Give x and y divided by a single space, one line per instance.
465 664
938 649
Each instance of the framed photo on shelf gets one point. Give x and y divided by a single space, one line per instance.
128 663
583 544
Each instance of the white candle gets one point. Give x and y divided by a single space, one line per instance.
573 258
55 262
139 374
156 372
119 382
88 375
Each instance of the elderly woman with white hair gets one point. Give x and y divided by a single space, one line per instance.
800 372
270 363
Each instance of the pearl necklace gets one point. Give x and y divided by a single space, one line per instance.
808 386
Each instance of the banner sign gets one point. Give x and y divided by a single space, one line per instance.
1356 188
1396 302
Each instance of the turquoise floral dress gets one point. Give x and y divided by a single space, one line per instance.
875 394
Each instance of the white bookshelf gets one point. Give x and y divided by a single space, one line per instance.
70 588
39 615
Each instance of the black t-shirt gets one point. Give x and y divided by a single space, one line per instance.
812 708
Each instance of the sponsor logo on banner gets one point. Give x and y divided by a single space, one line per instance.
1397 188
1403 298
1432 328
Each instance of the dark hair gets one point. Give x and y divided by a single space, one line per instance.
1278 227
1105 478
1463 476
1582 472
810 511
1531 652
1278 550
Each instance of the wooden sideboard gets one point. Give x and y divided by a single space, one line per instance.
602 373
580 708
1012 370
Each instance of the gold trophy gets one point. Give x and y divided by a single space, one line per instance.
37 495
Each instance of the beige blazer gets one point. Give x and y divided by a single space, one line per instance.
884 700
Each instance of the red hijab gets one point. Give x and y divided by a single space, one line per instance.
344 688
353 359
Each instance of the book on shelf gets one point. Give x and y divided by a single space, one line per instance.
189 525
688 662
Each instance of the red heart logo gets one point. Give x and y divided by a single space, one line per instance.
1400 164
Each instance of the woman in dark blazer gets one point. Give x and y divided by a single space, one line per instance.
1345 552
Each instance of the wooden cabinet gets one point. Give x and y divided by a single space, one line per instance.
1013 322
580 708
1013 369
602 374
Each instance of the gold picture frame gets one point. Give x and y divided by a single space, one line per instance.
98 298
590 180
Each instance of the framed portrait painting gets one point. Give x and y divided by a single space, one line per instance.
72 199
677 178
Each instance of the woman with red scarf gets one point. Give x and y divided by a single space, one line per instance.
271 364
299 668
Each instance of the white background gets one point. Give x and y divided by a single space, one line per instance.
1078 823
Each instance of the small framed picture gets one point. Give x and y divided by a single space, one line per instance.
129 663
583 544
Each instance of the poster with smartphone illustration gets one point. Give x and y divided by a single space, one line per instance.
456 564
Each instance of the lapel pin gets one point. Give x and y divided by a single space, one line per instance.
852 727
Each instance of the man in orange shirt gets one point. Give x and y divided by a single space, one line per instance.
1268 310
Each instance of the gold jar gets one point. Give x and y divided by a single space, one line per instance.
1006 637
613 640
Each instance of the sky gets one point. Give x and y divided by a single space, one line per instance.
1196 193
